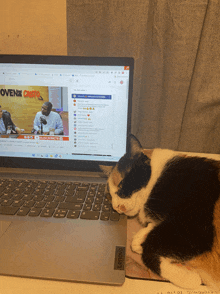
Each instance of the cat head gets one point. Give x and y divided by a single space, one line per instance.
127 178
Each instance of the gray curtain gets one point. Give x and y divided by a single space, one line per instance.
175 44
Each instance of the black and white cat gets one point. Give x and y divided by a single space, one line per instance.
176 199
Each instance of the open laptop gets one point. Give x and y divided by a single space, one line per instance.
55 220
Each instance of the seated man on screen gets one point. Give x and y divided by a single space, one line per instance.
48 120
6 123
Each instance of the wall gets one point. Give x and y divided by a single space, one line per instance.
33 27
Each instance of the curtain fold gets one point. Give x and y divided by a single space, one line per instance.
201 123
173 36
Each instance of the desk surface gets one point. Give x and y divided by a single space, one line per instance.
13 285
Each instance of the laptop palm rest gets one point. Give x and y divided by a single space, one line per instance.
62 251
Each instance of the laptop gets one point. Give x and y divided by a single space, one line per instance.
61 117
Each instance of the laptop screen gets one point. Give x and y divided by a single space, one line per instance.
64 108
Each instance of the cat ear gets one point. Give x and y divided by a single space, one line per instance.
106 169
135 145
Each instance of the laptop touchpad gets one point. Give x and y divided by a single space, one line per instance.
3 227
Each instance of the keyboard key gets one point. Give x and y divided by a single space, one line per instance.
39 191
6 196
100 194
92 215
82 188
60 213
8 210
74 199
59 198
48 192
96 207
23 211
71 199
51 186
106 201
28 197
6 202
47 212
38 197
77 183
18 203
106 207
114 216
73 214
51 204
93 188
2 188
59 192
85 184
105 216
81 193
78 206
17 197
29 203
101 187
49 198
69 193
60 184
40 204
87 206
98 200
9 189
80 199
42 185
29 190
71 187
35 212
18 190
92 193
70 206
89 200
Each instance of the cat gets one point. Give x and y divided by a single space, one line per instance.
175 197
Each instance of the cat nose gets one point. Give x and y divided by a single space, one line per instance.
121 208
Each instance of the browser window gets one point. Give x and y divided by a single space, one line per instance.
91 106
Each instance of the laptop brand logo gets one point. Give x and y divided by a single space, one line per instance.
119 258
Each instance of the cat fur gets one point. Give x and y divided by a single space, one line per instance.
175 196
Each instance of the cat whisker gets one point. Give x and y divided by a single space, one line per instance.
151 212
156 199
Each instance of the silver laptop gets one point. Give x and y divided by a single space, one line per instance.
60 118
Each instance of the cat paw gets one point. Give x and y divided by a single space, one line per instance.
136 246
139 239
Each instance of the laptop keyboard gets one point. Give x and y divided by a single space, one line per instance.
55 199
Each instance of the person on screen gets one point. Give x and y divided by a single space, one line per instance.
49 120
6 123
